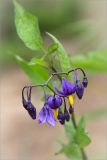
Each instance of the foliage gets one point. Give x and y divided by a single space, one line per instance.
27 28
62 55
32 70
94 61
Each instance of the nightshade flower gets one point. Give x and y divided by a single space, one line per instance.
46 115
51 111
68 88
54 103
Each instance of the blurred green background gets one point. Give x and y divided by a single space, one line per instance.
81 27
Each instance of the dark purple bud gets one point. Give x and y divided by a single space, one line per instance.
62 122
79 89
66 115
25 103
85 82
54 102
61 117
31 110
71 109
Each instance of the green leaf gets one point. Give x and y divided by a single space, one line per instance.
77 139
53 47
40 62
82 138
35 72
27 28
81 123
93 61
70 131
71 151
63 57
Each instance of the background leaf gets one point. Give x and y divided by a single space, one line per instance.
93 61
63 57
96 114
27 28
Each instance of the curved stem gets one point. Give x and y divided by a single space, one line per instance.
84 157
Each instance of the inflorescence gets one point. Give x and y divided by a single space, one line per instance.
55 106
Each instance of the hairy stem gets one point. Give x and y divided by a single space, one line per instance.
84 157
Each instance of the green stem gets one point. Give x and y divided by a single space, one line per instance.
84 157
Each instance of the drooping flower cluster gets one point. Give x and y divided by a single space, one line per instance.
55 106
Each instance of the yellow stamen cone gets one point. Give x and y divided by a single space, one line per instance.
55 113
71 100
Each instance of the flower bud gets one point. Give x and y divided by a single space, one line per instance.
85 82
71 109
31 110
62 122
79 89
54 101
61 117
66 115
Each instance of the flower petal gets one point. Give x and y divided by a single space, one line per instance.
68 87
42 115
50 117
58 90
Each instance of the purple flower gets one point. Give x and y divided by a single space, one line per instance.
54 102
68 88
46 115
